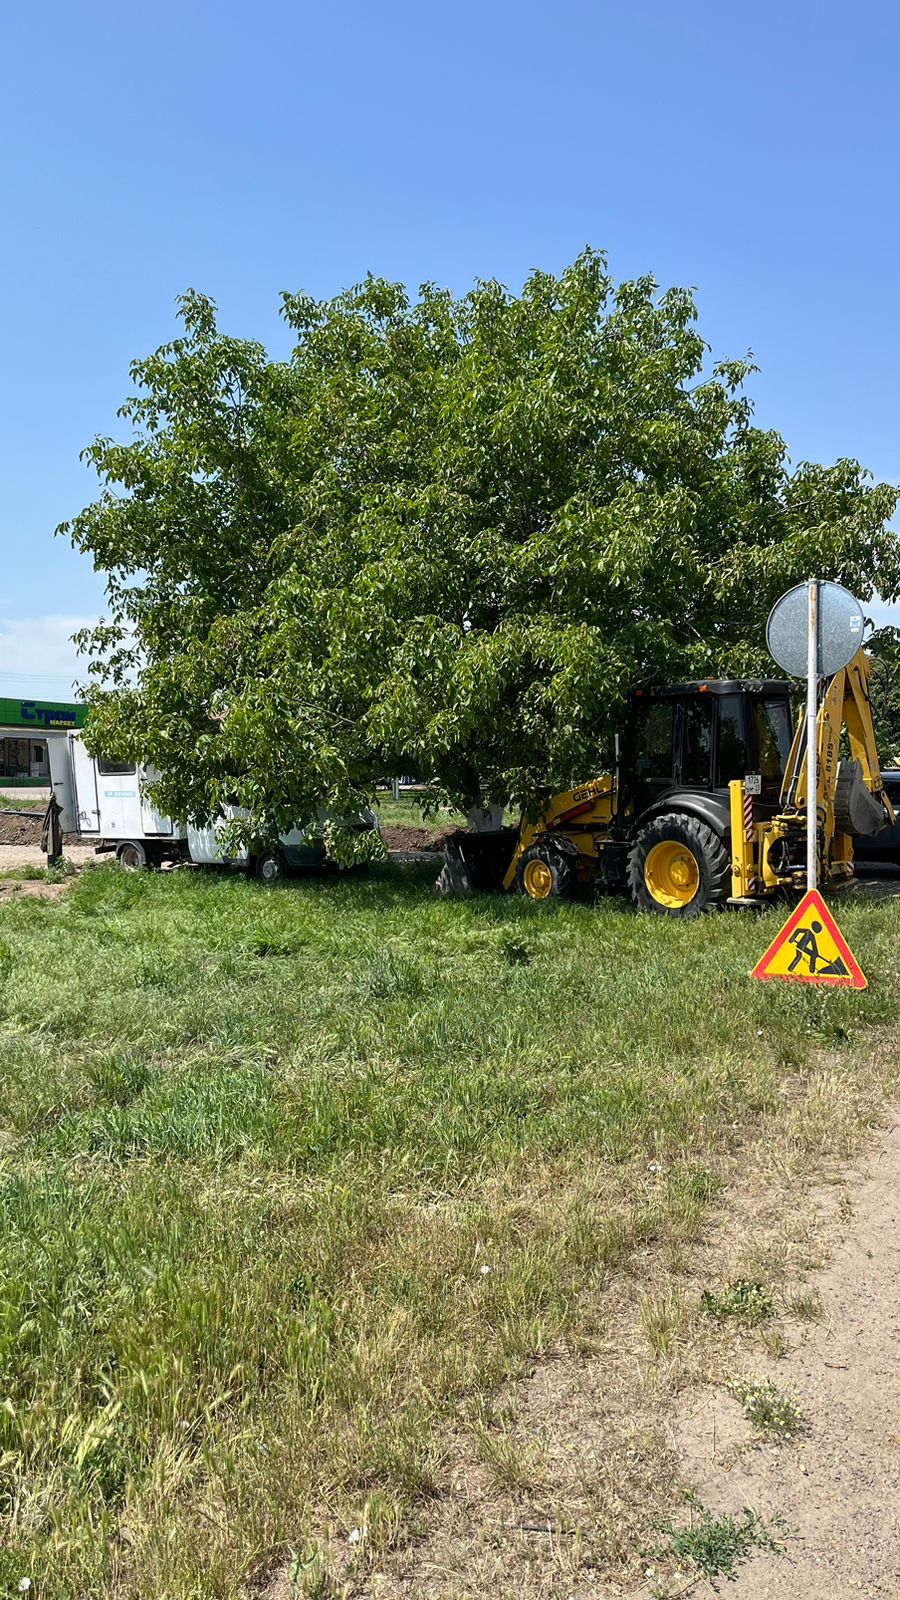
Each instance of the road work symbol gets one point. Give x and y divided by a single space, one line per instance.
811 949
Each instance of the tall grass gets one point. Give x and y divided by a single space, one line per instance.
257 1149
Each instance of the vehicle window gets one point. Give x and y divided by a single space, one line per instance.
653 741
731 752
774 735
113 769
696 743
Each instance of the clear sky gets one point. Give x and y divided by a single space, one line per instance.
748 150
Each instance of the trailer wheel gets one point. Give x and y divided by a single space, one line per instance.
547 871
270 868
678 867
131 855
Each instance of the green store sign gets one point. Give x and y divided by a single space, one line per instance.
38 716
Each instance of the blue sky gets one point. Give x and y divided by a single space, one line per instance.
750 151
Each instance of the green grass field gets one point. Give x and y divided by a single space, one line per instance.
259 1147
406 812
11 800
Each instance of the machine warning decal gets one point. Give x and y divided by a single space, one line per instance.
811 949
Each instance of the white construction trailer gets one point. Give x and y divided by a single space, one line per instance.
106 801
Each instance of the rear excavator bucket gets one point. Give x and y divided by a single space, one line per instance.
856 809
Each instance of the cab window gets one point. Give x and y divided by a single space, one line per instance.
731 747
653 742
774 735
696 739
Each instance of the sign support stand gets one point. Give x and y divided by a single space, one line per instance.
817 627
812 773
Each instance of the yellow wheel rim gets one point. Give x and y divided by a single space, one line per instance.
671 874
538 880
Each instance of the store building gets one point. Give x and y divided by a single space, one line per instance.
25 727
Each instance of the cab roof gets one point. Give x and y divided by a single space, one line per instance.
778 688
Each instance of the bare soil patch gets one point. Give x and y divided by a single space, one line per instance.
25 832
21 854
31 889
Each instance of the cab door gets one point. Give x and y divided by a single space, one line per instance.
695 742
648 766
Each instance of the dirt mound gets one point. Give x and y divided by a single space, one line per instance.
416 838
20 830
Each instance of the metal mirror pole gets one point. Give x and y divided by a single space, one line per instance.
812 773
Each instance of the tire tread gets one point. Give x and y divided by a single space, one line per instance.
709 848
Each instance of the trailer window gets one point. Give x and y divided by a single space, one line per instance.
774 735
731 750
114 769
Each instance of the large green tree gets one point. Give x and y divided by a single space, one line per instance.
447 536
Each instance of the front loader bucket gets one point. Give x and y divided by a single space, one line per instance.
476 863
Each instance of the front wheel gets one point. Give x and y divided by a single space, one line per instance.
131 855
271 868
547 871
678 867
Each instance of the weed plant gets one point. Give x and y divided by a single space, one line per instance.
716 1546
772 1411
744 1302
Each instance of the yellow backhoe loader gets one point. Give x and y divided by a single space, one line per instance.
707 806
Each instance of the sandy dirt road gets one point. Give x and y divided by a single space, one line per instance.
13 857
838 1486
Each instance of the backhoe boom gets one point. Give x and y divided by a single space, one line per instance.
769 855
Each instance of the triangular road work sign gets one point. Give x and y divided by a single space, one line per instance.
811 949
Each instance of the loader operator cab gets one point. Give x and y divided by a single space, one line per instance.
696 737
683 745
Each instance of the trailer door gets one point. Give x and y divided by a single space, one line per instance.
84 778
120 800
59 751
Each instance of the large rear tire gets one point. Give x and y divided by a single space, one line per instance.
679 867
547 871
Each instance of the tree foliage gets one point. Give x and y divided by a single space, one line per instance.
884 689
446 536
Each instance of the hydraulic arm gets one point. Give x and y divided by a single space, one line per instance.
770 854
